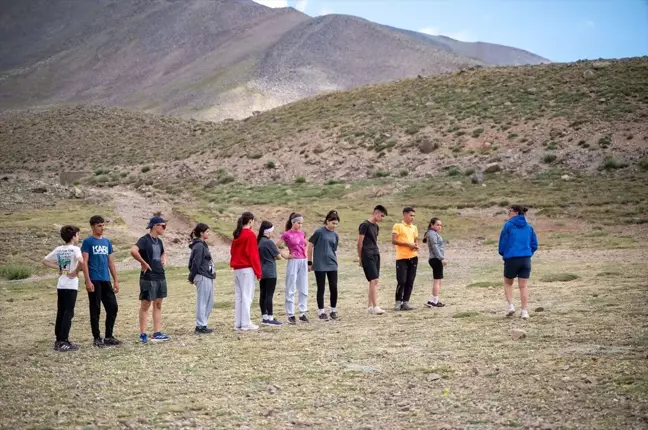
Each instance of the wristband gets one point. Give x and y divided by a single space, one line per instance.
310 263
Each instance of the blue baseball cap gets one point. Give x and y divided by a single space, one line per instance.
156 220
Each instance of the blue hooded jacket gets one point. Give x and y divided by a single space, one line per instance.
517 239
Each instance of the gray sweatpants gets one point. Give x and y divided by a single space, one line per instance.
244 284
296 280
204 299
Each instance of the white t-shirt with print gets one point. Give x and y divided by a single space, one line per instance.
67 257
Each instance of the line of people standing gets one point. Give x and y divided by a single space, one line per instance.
253 257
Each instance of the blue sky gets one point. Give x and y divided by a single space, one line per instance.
559 30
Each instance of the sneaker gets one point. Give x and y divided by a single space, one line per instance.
66 347
334 315
266 322
273 322
99 343
430 304
524 314
406 307
378 311
160 337
323 317
143 338
511 311
111 341
250 327
303 318
292 320
398 306
203 330
57 344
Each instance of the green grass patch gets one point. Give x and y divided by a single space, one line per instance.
483 284
559 277
13 271
466 314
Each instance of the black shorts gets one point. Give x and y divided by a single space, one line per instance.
152 290
437 268
517 267
371 266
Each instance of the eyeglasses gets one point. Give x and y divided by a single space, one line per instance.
162 225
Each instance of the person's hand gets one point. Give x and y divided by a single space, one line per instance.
116 287
89 286
444 261
360 262
413 246
73 274
145 267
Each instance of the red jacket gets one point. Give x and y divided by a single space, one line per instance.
245 253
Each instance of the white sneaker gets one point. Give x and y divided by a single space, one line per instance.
378 310
370 310
511 311
250 327
524 314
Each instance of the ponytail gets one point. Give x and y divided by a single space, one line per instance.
243 220
198 230
432 222
292 216
332 216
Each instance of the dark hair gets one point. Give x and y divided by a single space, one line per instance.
198 230
408 209
432 222
521 210
245 218
332 216
97 219
381 208
264 226
68 232
290 218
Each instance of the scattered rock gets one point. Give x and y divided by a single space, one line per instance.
77 193
456 185
39 190
347 186
10 300
5 178
602 99
518 334
589 73
360 368
532 90
493 168
565 367
289 192
565 177
597 65
429 104
540 309
477 178
434 377
508 104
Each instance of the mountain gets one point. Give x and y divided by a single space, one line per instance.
208 59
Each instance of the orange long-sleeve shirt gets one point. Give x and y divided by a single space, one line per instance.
244 252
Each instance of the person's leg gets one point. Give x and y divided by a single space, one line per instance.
247 291
157 315
508 292
524 292
60 310
302 286
238 298
263 287
110 306
291 286
272 284
401 280
333 287
94 301
70 297
202 296
209 305
524 274
145 305
320 279
412 265
373 293
436 288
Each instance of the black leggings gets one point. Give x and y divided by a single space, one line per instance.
320 278
64 314
267 291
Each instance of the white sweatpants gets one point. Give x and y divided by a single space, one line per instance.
204 299
296 280
244 284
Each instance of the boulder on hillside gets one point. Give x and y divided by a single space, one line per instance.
493 168
477 178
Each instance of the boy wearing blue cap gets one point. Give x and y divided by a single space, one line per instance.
149 252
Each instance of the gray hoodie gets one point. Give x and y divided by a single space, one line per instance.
435 244
200 261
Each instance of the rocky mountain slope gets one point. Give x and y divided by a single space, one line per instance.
207 59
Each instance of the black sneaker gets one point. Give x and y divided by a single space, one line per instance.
429 304
333 315
67 347
303 318
99 343
406 307
292 320
203 330
57 344
111 341
323 317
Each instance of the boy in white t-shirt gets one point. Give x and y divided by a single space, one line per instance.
68 260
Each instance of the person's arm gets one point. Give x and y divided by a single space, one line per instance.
163 257
281 243
79 266
253 252
197 256
310 247
395 241
113 268
86 272
359 246
50 261
502 241
534 241
275 251
135 253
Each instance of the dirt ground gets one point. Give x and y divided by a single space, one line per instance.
582 364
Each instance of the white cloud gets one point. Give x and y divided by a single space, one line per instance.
300 5
463 35
273 3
